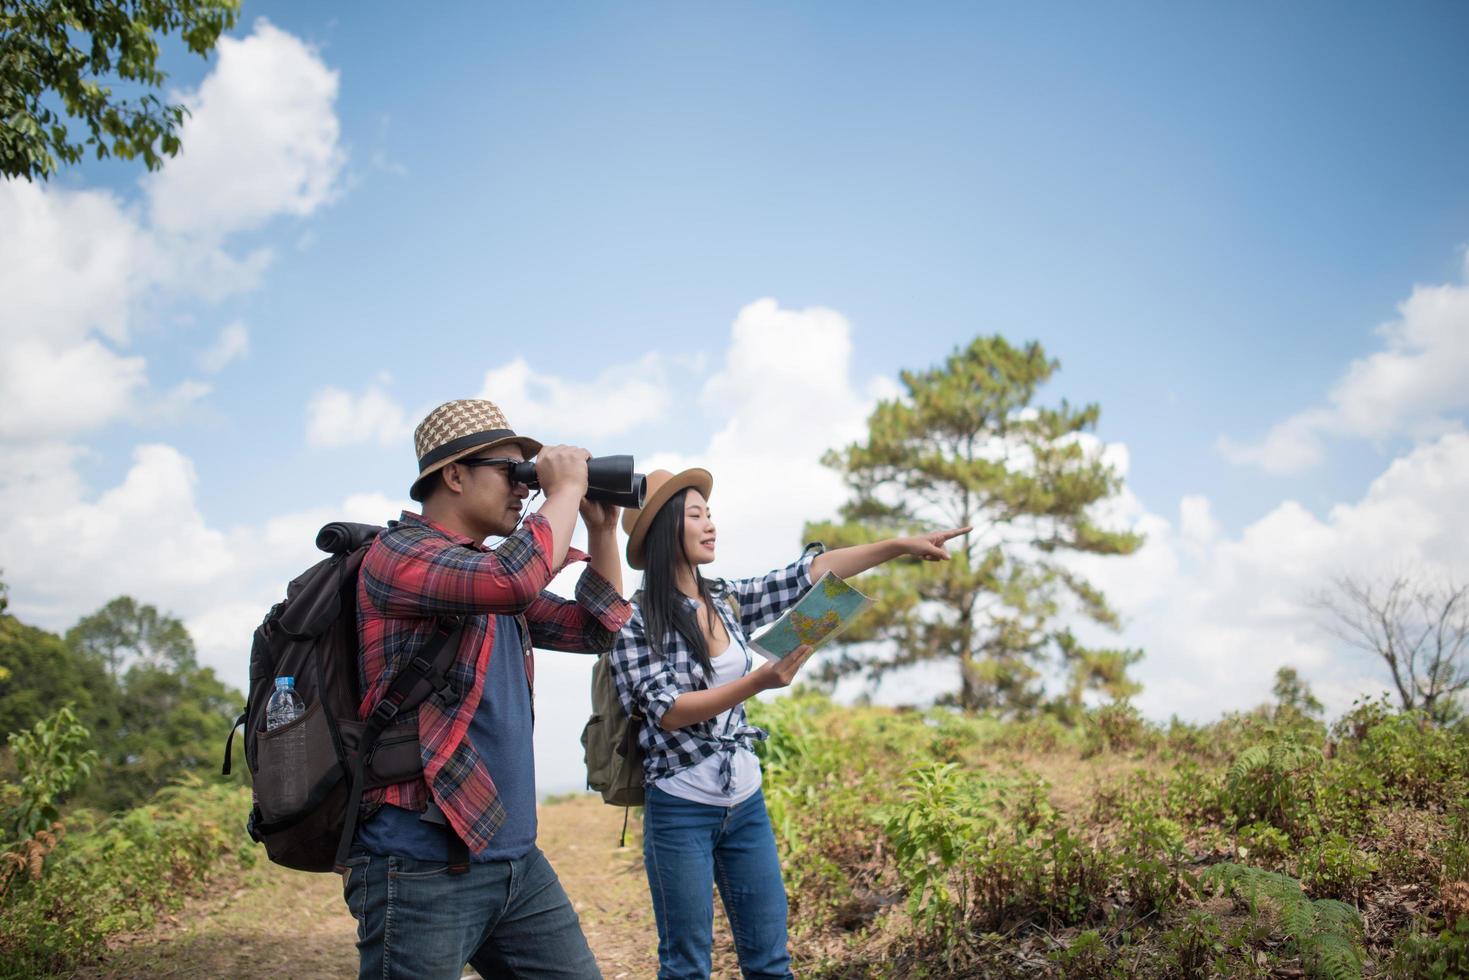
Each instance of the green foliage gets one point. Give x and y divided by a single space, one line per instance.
1264 844
1114 728
124 633
1077 876
1412 760
38 671
130 672
1196 945
966 445
1273 782
916 838
1421 955
169 722
1151 854
1103 671
54 49
1087 958
119 875
1327 933
943 810
1331 866
1293 697
1453 850
51 758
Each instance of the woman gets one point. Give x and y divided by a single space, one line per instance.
683 662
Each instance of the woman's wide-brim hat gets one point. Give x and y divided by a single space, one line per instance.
454 430
662 485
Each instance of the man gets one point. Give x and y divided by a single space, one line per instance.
422 910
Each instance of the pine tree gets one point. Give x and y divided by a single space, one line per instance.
965 445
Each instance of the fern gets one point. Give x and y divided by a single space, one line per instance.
1327 933
1273 782
1251 760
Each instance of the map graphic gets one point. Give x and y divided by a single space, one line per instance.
823 612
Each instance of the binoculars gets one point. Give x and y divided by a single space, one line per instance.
610 479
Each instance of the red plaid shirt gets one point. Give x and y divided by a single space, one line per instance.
416 571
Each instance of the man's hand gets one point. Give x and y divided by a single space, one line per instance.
779 673
599 517
563 470
930 546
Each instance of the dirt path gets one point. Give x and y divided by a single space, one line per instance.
273 922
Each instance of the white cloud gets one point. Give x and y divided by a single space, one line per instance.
1218 614
66 553
549 408
71 262
784 395
1412 387
78 269
339 418
50 391
261 140
232 343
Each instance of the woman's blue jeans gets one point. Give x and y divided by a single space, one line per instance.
688 848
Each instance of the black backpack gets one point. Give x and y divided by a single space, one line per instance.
312 636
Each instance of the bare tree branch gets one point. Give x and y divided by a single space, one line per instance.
1420 630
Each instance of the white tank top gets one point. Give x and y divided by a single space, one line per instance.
702 782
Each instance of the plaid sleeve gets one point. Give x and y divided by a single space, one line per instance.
411 572
586 624
765 597
645 681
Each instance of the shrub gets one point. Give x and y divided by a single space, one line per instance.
943 811
1264 845
1193 795
1195 945
1417 763
1273 782
1332 867
1453 849
52 757
1086 958
1434 956
117 876
1150 854
1326 932
1075 880
1115 727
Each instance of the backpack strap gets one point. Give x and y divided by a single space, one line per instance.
424 675
229 743
625 749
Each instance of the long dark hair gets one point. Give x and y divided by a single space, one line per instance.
663 608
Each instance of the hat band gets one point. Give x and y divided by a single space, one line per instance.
459 445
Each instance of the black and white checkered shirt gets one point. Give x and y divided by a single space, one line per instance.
652 682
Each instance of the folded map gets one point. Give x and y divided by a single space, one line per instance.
823 612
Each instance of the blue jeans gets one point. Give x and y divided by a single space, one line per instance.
687 848
504 918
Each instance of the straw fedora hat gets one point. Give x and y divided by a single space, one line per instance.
454 430
661 486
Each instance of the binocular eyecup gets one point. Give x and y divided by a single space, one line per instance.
610 480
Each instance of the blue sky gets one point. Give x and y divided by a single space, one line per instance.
1203 211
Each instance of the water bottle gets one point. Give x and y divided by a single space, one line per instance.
289 775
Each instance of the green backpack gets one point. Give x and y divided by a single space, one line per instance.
610 740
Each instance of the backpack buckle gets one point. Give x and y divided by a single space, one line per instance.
387 709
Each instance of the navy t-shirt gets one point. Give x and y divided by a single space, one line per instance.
501 733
